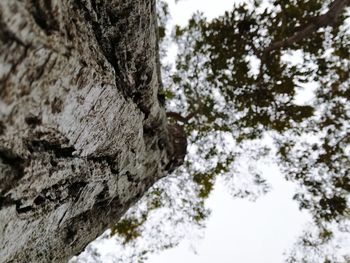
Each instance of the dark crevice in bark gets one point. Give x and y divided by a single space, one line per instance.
6 201
70 235
106 44
32 121
43 16
39 200
12 160
54 147
103 195
56 105
131 177
22 209
109 160
2 127
17 165
74 189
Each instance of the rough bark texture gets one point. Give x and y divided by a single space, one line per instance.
82 132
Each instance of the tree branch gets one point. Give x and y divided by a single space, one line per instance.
327 19
177 116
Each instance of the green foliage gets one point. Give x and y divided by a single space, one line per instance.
128 229
214 71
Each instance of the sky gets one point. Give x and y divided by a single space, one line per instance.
239 230
184 9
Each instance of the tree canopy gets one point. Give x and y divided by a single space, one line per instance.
238 95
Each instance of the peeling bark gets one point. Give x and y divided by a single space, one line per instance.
82 133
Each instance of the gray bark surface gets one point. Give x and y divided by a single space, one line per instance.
82 132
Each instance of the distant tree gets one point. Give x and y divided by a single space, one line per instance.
233 87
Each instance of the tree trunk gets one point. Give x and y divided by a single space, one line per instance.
82 132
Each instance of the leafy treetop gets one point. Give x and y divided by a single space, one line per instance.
233 86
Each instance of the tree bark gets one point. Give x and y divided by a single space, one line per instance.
82 132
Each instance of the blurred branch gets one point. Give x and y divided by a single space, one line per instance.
328 19
177 116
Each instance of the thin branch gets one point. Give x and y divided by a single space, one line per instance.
177 116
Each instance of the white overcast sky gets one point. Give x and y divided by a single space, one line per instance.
239 230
